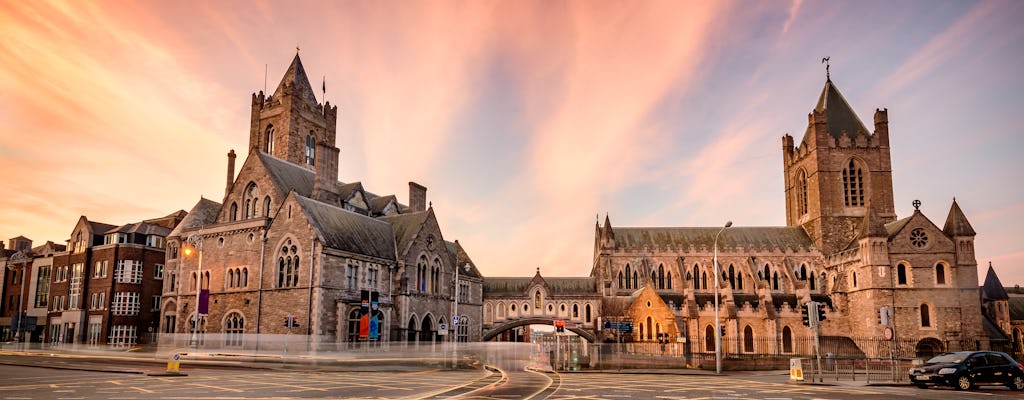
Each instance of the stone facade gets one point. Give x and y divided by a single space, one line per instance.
288 239
843 246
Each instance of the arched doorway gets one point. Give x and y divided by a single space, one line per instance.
411 331
928 348
427 329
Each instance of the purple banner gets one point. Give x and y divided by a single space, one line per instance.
204 302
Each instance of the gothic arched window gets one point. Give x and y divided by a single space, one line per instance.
268 147
853 185
696 275
251 197
628 273
661 277
801 192
310 149
926 317
234 327
940 274
620 280
288 266
901 274
233 215
266 206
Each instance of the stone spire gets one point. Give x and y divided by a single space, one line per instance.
956 222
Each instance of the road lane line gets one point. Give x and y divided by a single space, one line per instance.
141 389
217 387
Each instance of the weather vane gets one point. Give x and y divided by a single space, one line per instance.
827 75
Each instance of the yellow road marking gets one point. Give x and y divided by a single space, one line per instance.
217 387
142 390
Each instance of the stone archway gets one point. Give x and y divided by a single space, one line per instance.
928 348
497 329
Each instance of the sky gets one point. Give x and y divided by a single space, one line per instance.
526 120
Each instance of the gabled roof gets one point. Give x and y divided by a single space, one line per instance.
288 176
1016 308
296 77
749 237
894 227
203 213
991 329
993 289
346 191
142 228
98 228
377 204
462 259
405 227
838 112
956 222
348 231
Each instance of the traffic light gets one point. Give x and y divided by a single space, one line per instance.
821 312
722 329
806 315
559 326
291 322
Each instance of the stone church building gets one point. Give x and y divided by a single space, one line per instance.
289 239
843 245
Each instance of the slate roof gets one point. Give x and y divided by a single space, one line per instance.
556 286
345 190
749 237
348 231
993 289
1016 308
991 329
288 176
377 204
98 228
839 114
462 258
142 228
405 227
296 77
203 213
894 227
956 222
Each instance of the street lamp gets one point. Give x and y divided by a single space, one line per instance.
194 243
718 329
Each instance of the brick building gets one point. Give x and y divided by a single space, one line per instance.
24 295
289 239
105 288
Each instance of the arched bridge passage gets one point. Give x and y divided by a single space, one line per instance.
497 329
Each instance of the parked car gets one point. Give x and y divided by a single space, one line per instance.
966 369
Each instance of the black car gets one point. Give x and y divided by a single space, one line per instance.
966 369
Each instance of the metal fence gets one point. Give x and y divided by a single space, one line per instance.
842 357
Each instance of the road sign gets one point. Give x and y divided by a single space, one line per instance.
888 333
455 319
442 329
796 369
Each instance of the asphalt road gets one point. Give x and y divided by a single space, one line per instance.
67 378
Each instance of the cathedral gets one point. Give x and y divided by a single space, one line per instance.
878 275
291 250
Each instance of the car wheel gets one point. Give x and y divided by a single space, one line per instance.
964 382
1016 382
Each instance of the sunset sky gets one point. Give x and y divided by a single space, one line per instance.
525 120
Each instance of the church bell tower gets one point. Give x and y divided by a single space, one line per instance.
837 172
290 124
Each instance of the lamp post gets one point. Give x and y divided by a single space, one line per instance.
196 241
718 329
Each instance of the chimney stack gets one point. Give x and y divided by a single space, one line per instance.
231 173
417 197
325 184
